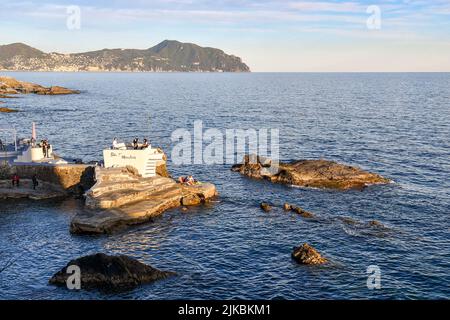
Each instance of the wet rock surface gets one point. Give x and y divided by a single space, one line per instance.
308 173
306 254
109 273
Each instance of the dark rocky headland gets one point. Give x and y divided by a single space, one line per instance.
167 56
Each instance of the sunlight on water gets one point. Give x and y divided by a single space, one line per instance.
394 124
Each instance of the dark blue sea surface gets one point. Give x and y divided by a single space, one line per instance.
397 125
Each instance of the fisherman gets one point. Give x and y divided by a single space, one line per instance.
2 147
35 182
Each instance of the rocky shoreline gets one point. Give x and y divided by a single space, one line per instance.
322 174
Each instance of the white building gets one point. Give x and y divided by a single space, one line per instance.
145 160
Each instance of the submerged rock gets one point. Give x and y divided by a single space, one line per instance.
308 173
372 228
305 254
348 220
303 213
266 207
104 272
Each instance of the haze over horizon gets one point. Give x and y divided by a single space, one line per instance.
268 35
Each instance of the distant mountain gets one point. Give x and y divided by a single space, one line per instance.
167 56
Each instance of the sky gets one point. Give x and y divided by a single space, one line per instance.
269 35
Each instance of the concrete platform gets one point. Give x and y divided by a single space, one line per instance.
45 190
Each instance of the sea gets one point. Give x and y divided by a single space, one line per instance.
393 124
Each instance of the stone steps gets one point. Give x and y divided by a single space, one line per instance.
112 204
103 188
117 187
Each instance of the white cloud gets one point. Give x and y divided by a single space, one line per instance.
328 6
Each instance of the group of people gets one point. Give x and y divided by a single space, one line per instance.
188 180
136 145
45 148
15 181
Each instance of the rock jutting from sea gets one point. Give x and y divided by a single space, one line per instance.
120 197
11 86
7 110
306 254
108 273
308 173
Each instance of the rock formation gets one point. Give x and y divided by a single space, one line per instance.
266 207
308 173
106 273
10 86
303 213
305 254
7 110
120 197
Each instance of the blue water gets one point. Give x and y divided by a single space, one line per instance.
397 125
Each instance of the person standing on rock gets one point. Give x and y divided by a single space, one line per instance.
15 180
35 182
43 147
47 147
